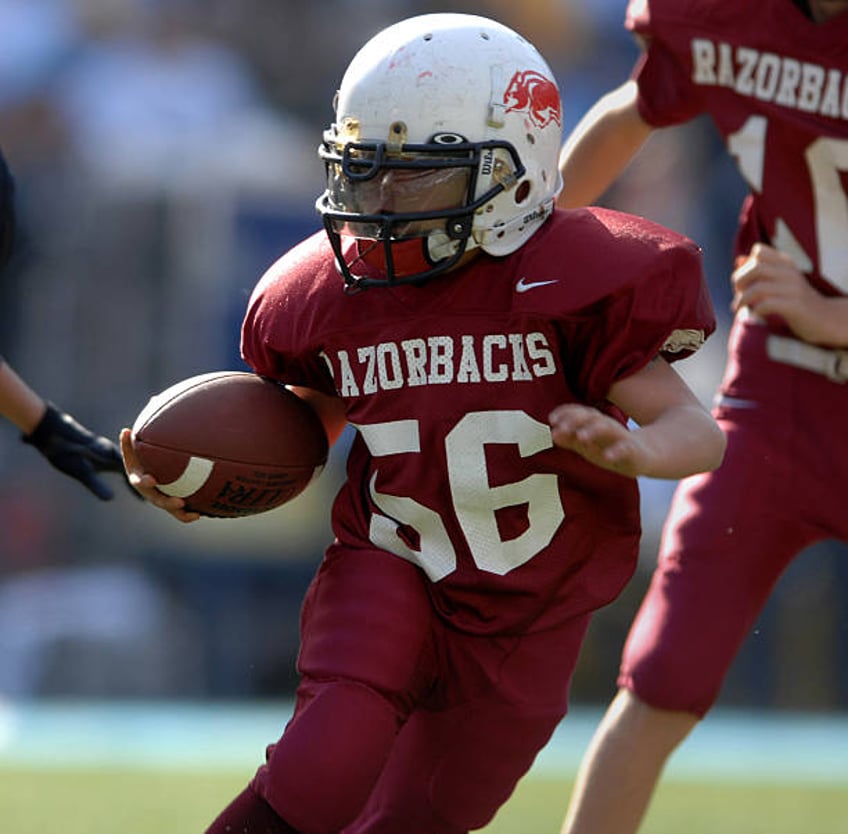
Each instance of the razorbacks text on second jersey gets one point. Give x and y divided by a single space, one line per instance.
778 93
449 385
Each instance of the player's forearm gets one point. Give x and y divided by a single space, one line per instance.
330 410
601 146
683 441
18 402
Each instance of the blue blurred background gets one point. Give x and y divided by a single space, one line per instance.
165 155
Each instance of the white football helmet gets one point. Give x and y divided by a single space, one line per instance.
447 136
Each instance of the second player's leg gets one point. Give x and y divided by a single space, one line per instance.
724 547
622 766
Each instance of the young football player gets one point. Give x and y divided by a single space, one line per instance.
67 445
488 350
774 78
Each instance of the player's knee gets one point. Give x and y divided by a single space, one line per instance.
669 681
308 779
671 692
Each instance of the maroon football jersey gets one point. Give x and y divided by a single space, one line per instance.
776 85
449 385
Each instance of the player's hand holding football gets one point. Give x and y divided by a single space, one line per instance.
770 284
146 484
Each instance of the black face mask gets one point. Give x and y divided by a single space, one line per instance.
389 251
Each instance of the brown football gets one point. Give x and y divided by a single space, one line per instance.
231 443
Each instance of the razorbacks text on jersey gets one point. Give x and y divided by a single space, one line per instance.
449 385
776 85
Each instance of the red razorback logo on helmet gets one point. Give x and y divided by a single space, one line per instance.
530 92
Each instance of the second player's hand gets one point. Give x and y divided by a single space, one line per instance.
769 283
145 484
599 439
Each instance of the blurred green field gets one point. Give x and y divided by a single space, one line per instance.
128 801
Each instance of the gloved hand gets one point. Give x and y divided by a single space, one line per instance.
75 450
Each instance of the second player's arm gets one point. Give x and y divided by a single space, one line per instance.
770 284
601 146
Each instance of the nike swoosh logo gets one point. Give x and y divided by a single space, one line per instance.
524 285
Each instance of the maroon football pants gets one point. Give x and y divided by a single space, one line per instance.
731 533
401 723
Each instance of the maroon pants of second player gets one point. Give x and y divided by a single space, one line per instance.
731 533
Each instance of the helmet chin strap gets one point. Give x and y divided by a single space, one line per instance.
440 246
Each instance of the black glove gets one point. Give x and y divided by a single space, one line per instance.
75 450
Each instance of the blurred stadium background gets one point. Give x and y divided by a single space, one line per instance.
165 154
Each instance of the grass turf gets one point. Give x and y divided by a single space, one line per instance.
128 801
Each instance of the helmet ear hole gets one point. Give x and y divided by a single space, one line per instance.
522 192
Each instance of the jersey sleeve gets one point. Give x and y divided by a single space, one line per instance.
667 95
275 332
662 307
